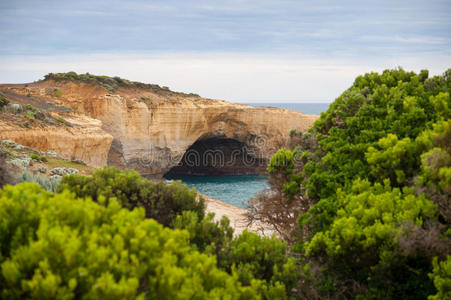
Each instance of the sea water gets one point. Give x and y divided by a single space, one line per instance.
237 190
306 108
233 189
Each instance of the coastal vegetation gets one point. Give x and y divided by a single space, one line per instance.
111 84
360 204
371 183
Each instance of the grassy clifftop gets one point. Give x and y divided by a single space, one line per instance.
112 84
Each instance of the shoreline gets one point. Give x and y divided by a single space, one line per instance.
236 215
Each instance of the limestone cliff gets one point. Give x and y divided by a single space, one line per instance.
84 140
153 128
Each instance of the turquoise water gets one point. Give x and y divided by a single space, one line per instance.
236 190
306 108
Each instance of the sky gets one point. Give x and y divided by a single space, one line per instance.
236 50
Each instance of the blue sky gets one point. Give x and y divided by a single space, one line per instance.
246 51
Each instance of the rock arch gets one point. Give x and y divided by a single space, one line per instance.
219 155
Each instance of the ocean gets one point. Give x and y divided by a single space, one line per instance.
232 189
306 108
237 190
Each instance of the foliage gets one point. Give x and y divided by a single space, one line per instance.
280 205
46 183
254 258
206 235
371 178
161 202
56 246
394 159
62 120
435 176
57 93
3 101
37 157
362 240
111 84
256 261
441 275
31 108
175 206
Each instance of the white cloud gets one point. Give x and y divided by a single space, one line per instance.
236 77
407 39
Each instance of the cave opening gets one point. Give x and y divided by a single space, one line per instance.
219 156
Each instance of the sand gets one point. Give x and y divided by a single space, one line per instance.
237 217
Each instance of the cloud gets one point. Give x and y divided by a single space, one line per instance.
409 40
239 77
242 50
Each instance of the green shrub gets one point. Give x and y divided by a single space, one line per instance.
252 257
32 108
206 235
57 93
46 183
29 115
161 202
376 163
61 119
441 275
54 246
3 101
34 156
362 242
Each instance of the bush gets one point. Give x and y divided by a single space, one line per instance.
35 156
49 184
371 178
57 93
252 258
176 206
3 101
54 246
61 119
161 202
362 241
441 275
206 235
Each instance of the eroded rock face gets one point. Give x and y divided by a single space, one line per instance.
152 130
85 140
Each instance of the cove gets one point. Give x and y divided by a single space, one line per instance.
232 189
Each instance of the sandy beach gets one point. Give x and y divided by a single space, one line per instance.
236 215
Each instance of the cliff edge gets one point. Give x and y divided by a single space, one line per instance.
150 128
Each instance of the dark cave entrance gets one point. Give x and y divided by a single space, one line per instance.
219 156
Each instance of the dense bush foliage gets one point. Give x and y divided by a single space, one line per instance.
263 260
257 261
161 202
441 276
372 179
206 235
54 246
176 206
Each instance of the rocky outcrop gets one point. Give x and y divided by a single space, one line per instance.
84 139
153 129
